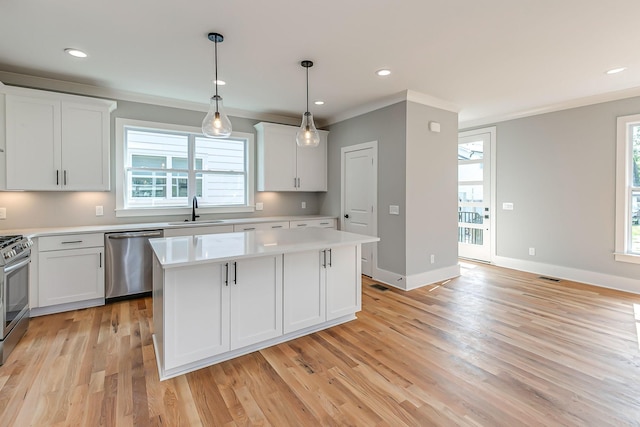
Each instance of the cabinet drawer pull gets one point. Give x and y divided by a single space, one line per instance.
276 226
324 223
70 242
249 228
301 225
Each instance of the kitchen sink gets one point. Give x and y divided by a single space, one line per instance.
213 221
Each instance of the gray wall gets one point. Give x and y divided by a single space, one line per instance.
417 170
558 170
431 189
53 209
388 127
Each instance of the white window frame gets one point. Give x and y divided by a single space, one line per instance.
624 189
123 211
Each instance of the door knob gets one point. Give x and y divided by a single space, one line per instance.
346 215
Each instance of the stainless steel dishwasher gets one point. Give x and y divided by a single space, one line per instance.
128 261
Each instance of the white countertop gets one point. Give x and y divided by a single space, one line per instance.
51 231
190 250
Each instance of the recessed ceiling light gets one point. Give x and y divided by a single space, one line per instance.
319 102
616 70
383 72
219 82
75 52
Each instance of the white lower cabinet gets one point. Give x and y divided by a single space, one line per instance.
256 300
344 283
216 307
304 290
196 299
320 286
70 275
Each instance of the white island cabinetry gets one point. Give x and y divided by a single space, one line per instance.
216 297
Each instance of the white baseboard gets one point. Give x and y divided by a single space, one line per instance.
576 275
415 281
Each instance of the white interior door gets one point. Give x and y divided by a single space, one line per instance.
359 190
474 195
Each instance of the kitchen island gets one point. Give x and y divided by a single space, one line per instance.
219 296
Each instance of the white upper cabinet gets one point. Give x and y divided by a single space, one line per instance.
56 142
283 166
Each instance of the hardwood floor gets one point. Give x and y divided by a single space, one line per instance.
494 347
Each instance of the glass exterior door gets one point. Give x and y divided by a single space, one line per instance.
474 198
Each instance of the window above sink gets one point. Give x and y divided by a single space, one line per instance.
161 167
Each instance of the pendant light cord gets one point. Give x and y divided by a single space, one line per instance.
307 89
216 70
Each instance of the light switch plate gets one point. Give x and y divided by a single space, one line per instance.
259 206
99 211
507 206
394 210
3 213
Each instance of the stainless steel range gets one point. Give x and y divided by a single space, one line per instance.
15 255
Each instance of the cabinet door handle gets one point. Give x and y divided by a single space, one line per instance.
100 260
57 177
295 182
226 274
324 259
235 273
330 257
298 182
65 177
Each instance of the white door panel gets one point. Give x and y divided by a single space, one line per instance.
359 189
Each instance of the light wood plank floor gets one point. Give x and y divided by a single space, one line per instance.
494 347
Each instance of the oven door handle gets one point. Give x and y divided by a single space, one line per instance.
21 264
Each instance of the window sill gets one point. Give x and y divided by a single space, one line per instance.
137 212
623 257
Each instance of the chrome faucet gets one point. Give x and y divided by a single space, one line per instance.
194 205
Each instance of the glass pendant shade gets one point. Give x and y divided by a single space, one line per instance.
216 124
307 135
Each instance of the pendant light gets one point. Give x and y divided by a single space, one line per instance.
216 124
307 135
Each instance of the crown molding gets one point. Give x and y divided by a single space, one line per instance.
42 83
566 105
405 95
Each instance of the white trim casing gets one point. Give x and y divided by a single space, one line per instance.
493 142
623 208
121 211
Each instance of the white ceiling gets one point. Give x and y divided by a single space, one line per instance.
492 59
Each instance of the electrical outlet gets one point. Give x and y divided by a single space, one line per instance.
433 258
99 211
532 251
304 205
259 206
3 213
